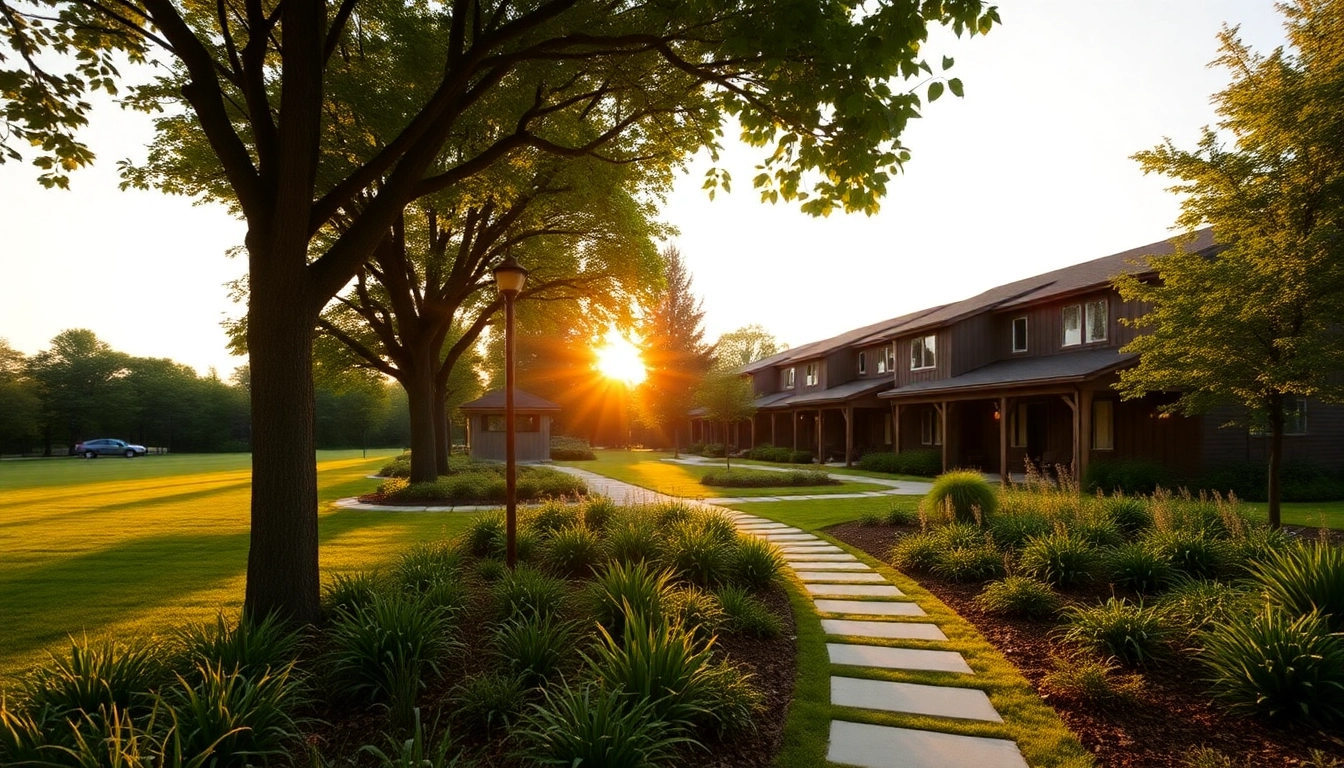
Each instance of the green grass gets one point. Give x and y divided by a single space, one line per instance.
855 471
1327 514
134 547
647 469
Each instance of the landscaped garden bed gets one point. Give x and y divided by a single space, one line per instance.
749 478
1132 616
471 483
655 631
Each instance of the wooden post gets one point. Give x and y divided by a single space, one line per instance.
1003 441
941 408
793 417
773 423
821 445
1072 402
849 435
1085 432
895 427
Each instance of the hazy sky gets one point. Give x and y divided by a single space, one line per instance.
1028 173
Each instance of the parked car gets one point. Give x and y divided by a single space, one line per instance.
91 449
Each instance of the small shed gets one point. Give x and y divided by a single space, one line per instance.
532 425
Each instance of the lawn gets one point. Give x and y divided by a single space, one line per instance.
134 546
647 469
1318 514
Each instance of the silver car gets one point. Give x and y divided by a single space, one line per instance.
91 449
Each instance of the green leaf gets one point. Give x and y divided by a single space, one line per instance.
954 85
947 62
935 90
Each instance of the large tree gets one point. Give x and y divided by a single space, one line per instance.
250 118
674 351
19 415
727 398
81 381
744 346
1256 324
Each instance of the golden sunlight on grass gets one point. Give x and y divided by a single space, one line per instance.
619 359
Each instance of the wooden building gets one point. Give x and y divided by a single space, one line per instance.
486 426
1024 371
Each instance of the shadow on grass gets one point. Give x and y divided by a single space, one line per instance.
140 503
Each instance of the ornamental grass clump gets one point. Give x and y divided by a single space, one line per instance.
535 647
573 551
966 564
1089 678
95 677
550 517
1191 551
592 726
1018 596
695 554
756 563
963 496
621 589
697 611
526 592
233 715
1131 632
346 591
1012 531
745 614
251 647
1305 577
1196 605
916 552
756 478
633 540
1139 567
1059 559
1278 666
488 701
426 564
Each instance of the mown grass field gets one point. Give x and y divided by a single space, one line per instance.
647 469
134 546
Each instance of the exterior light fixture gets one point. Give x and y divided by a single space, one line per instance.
510 276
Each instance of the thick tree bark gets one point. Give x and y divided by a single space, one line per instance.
443 436
418 379
1275 459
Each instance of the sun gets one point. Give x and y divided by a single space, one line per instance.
618 359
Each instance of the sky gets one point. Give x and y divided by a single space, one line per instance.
1028 173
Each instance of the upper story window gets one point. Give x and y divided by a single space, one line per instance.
922 352
1096 321
1019 334
810 376
1073 325
1085 322
863 363
883 362
789 374
1294 418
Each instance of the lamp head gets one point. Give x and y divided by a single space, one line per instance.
510 276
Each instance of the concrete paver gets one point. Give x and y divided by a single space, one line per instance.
824 557
880 746
838 577
853 565
869 608
883 657
916 699
887 630
854 590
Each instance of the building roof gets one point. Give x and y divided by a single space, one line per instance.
522 401
826 346
1070 367
846 391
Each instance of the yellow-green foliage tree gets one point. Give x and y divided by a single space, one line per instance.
1256 322
728 399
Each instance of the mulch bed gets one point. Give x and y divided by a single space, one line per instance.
1170 716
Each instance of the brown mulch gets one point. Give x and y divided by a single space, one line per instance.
1170 716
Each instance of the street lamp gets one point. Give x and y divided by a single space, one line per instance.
509 279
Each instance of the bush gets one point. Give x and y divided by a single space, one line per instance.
714 450
550 517
1018 596
1128 476
969 564
1138 567
756 563
534 647
398 467
237 715
1195 605
485 485
1191 552
1303 578
1013 531
571 449
592 726
1086 677
756 478
963 496
695 554
916 552
747 615
572 551
1129 631
526 592
347 591
96 676
623 589
1300 481
250 647
696 611
488 701
779 454
1058 559
921 463
1278 666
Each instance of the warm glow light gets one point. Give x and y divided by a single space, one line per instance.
618 359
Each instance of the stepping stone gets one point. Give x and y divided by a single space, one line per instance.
869 607
854 590
754 527
887 630
881 746
883 657
841 576
852 565
937 700
781 537
804 557
795 548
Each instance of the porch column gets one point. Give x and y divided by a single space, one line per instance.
753 431
942 428
793 417
773 439
1003 441
896 427
1085 433
821 444
1072 402
849 435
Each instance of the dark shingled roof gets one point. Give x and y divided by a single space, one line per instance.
839 393
522 401
1074 366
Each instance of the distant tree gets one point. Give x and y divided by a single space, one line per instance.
80 380
1257 325
675 354
21 406
727 398
744 346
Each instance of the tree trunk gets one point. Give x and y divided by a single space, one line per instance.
443 435
1275 459
418 380
727 460
282 565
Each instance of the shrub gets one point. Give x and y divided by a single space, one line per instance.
1058 559
550 517
747 615
901 516
239 715
1129 514
1300 481
1129 476
714 451
590 726
488 701
969 564
1086 677
484 536
598 511
393 487
1278 666
921 463
425 565
1303 578
535 646
484 485
963 496
379 652
779 454
696 555
633 541
249 647
916 552
1138 567
1012 531
347 591
571 449
572 551
397 467
1018 596
756 478
1196 605
1191 552
1129 631
756 563
96 676
526 592
622 589
696 611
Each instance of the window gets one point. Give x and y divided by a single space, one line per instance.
930 427
1096 321
891 357
886 359
522 422
1103 425
1073 325
810 377
789 377
863 363
1017 427
1294 418
1019 334
881 362
922 353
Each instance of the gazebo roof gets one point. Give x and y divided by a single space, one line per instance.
522 401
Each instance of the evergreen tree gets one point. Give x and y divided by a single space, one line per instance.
675 352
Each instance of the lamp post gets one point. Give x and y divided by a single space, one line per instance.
509 279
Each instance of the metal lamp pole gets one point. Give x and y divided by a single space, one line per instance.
509 279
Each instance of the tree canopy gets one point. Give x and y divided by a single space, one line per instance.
744 346
675 354
1256 322
727 398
